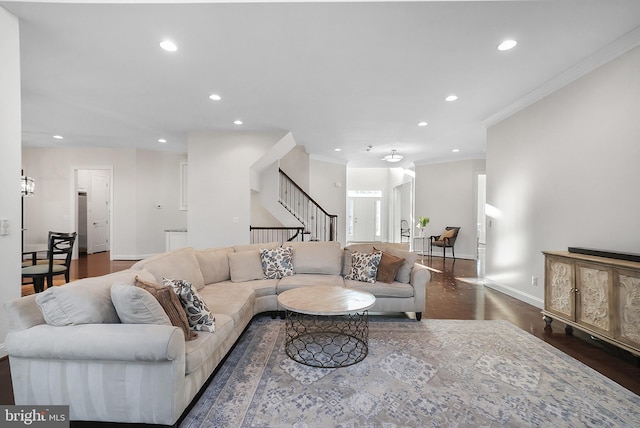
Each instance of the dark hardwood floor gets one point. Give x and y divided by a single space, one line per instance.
454 292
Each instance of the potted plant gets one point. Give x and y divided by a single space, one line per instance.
422 223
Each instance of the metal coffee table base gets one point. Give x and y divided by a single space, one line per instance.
327 341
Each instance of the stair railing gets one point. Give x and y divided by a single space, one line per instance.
318 223
275 234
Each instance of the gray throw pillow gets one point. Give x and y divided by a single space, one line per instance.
135 305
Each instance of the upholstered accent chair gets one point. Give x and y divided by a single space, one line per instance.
445 240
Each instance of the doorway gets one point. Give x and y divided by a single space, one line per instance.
402 211
365 217
93 202
481 223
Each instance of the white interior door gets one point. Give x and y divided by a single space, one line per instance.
98 207
365 220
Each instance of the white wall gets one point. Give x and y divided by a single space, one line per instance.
564 172
140 178
296 165
10 141
158 183
327 186
447 194
219 185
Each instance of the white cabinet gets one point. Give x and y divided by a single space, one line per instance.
175 239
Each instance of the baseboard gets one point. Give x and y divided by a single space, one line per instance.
449 256
516 294
130 257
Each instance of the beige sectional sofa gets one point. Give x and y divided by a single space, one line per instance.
68 345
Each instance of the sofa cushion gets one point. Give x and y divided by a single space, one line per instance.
308 279
200 350
198 314
317 257
277 262
214 264
86 301
380 289
261 287
255 247
170 302
181 263
245 266
135 305
388 268
364 267
238 304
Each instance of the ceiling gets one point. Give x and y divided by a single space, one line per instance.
336 75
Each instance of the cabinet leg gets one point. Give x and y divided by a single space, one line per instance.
568 330
547 323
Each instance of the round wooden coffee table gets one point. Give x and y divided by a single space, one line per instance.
327 326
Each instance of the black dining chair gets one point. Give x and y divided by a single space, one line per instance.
60 249
405 232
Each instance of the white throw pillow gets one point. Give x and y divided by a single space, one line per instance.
135 305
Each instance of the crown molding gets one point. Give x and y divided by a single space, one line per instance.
610 52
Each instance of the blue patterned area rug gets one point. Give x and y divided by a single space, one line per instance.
433 373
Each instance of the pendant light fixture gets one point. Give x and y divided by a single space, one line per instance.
393 157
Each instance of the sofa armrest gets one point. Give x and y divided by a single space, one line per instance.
111 342
420 276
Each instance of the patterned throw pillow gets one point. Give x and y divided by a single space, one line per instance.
198 314
277 262
364 267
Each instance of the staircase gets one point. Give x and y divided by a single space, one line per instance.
317 224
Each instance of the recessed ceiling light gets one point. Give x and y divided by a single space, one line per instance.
422 124
58 137
215 97
237 122
455 150
337 149
506 45
451 98
162 140
168 46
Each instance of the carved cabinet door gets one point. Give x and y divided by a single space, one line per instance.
594 297
627 286
559 297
